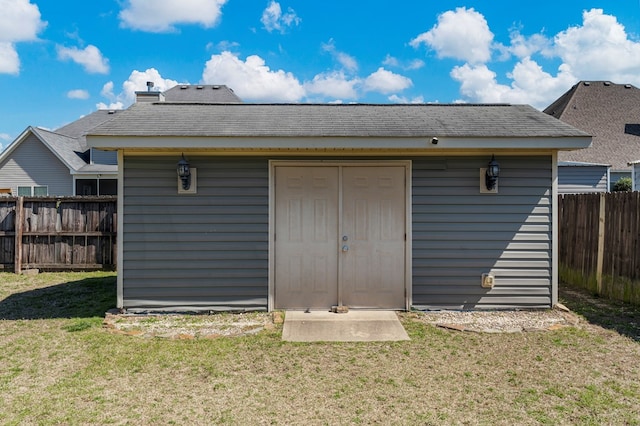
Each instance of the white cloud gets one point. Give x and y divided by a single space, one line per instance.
78 94
461 34
334 85
274 20
391 61
599 48
348 62
90 58
4 138
19 21
522 46
414 64
9 60
252 80
137 82
530 84
403 100
386 82
162 15
109 106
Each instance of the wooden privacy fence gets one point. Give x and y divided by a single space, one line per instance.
68 233
599 243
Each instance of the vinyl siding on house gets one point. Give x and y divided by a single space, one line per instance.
582 179
33 164
207 250
459 234
636 176
99 156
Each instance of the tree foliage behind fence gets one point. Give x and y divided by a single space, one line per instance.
69 233
600 243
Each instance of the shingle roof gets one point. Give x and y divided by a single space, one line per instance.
68 149
610 113
313 120
207 93
79 128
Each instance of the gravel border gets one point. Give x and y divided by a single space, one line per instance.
211 326
514 321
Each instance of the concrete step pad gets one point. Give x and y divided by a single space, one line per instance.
354 326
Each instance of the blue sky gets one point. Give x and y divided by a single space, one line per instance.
60 60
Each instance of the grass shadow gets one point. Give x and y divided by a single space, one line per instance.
90 297
610 314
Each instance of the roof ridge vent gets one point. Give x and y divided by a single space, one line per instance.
607 83
627 86
586 83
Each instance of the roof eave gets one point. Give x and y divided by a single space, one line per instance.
110 142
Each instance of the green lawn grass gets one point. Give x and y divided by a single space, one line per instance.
58 365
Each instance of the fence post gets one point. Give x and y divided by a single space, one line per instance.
17 266
601 227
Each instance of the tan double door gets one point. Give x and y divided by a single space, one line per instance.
339 236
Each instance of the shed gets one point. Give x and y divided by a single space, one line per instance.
310 206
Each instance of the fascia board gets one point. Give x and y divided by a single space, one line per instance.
362 143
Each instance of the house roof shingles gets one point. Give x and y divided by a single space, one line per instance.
66 148
610 113
314 120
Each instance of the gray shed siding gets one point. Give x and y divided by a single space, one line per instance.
582 179
187 252
33 164
636 176
459 234
210 250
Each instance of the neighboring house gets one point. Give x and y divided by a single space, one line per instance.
59 163
611 114
311 206
40 162
577 178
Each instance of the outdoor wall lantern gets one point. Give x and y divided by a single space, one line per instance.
492 174
184 173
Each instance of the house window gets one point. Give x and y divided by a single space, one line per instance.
108 186
96 186
24 191
29 191
87 187
40 191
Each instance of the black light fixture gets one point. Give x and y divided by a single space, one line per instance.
493 172
184 173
